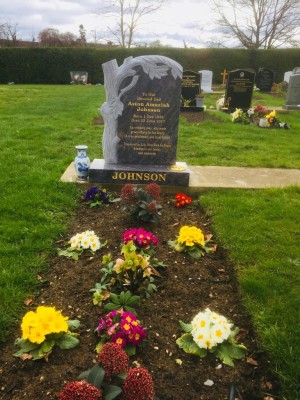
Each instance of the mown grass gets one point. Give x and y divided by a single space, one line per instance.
40 126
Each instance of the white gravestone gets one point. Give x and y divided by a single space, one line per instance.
206 81
287 76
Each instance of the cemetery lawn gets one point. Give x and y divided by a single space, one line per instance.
257 232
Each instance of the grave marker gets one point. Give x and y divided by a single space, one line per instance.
265 79
206 80
141 117
239 89
293 94
190 87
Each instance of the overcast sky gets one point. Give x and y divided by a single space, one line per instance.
178 21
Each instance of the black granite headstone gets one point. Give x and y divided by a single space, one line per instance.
239 89
265 79
141 117
190 87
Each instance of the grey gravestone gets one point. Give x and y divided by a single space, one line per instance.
265 79
239 89
287 76
206 80
293 94
296 70
79 77
141 117
190 87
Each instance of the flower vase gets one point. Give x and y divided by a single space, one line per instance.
263 123
199 101
82 162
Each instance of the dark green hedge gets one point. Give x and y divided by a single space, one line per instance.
53 65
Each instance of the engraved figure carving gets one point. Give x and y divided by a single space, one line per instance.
155 67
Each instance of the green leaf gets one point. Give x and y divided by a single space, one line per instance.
195 253
96 376
185 327
130 349
47 346
111 306
25 345
227 352
84 375
114 298
111 392
73 324
67 341
187 343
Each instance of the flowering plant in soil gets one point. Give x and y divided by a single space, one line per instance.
122 328
143 204
134 271
42 330
181 200
98 197
190 240
80 242
210 332
112 378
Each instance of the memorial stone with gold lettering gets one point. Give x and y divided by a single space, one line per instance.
141 117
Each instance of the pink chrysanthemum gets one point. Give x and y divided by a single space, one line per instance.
80 390
154 190
113 359
138 385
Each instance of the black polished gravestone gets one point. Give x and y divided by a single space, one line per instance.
239 89
190 88
141 117
265 79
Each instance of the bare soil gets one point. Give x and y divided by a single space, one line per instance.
186 287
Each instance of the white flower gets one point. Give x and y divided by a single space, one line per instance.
74 241
85 242
95 244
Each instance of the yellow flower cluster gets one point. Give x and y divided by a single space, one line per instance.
190 236
44 321
85 240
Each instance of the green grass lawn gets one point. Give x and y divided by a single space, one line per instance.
40 127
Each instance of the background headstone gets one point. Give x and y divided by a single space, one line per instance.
293 94
239 89
296 70
265 79
141 117
287 76
206 80
79 77
190 86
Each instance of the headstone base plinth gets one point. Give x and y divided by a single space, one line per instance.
171 175
291 107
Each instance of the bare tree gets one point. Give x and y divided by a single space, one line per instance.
127 15
9 33
260 23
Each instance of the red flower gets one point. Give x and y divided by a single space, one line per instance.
151 208
127 193
138 385
154 190
80 390
113 359
182 200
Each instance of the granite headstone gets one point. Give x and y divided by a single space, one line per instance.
287 76
79 77
190 87
265 79
293 94
141 117
239 89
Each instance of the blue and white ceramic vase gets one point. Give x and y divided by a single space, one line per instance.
82 162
